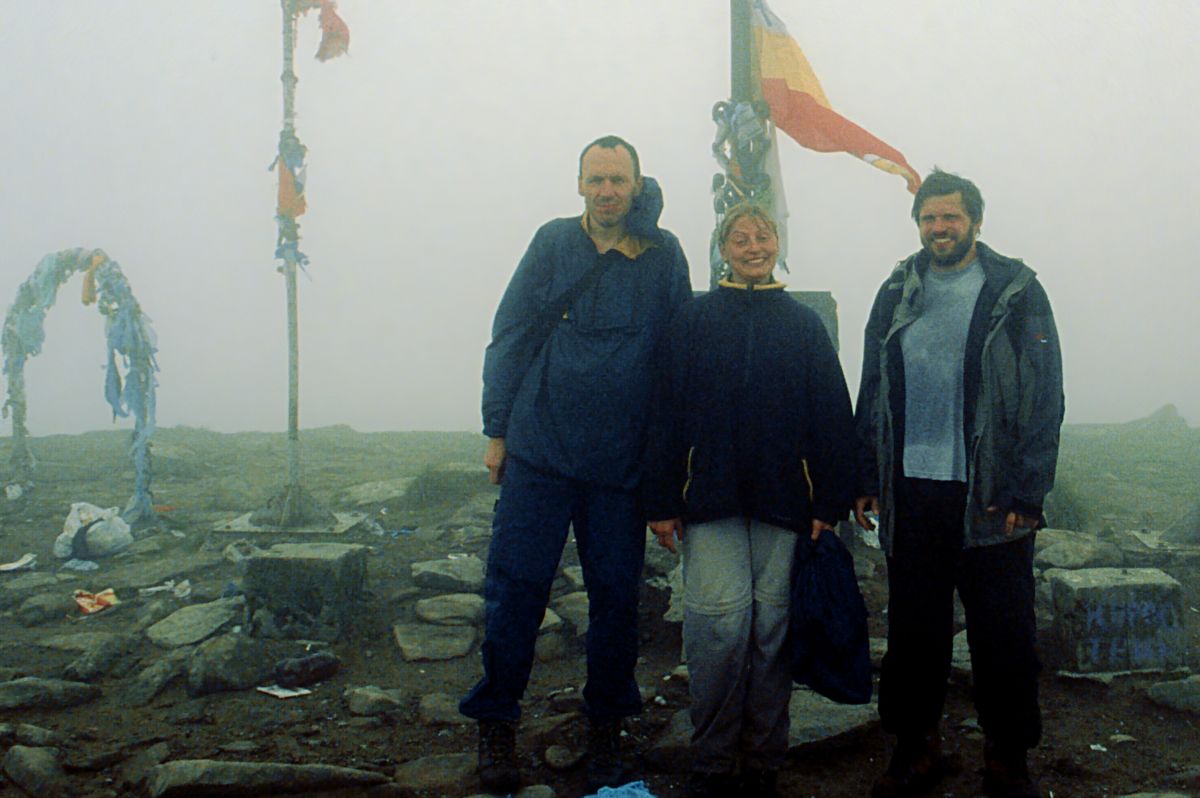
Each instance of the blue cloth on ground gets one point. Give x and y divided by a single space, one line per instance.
634 789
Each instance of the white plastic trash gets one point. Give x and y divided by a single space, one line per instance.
107 535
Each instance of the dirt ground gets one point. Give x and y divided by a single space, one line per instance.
202 478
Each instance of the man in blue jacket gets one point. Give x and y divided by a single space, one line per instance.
566 388
958 415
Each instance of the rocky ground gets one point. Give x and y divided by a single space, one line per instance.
154 696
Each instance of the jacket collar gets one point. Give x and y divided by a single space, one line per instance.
630 246
772 286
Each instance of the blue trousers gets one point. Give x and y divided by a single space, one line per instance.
529 532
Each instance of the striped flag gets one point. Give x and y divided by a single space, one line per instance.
799 106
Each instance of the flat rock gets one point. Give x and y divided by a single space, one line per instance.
573 607
477 511
452 609
445 774
532 791
35 770
574 576
84 641
878 647
155 677
427 642
34 693
46 607
379 492
107 655
560 758
373 700
1079 554
460 575
960 662
440 709
814 718
207 777
227 663
30 735
196 622
1181 694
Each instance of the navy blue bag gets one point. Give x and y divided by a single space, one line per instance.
827 629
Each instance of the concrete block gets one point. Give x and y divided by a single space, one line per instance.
1118 619
307 587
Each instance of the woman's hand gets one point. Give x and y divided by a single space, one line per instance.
668 532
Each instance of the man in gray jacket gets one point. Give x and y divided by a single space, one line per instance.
958 417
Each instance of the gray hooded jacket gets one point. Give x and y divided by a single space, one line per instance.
1013 397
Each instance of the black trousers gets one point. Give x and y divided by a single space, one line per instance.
928 563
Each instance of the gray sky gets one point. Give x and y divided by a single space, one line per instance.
452 129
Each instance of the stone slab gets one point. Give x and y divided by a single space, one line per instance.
242 525
1118 619
319 582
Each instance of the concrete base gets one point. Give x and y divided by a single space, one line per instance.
304 590
1118 619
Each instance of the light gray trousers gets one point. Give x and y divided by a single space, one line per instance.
736 592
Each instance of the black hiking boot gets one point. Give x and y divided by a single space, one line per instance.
604 767
917 765
758 783
714 785
499 770
1006 773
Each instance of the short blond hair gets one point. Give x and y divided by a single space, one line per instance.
743 211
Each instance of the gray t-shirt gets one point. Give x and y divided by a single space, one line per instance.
934 347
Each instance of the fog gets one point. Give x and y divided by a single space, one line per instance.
451 131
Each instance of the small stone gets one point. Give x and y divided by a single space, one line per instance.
560 758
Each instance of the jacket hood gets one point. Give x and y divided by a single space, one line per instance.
647 207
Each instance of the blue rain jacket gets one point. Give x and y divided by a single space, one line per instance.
575 403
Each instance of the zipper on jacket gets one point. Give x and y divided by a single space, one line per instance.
807 478
687 483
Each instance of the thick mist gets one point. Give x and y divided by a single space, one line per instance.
452 129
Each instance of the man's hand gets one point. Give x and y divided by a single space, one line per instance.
1015 519
819 526
862 506
668 532
494 458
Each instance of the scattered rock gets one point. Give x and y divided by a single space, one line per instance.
1079 554
814 718
99 660
35 770
1181 694
194 777
196 622
229 662
446 773
46 607
461 575
452 609
560 758
155 677
134 770
32 692
373 700
573 608
441 709
424 642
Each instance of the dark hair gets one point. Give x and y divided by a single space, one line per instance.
940 183
611 143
